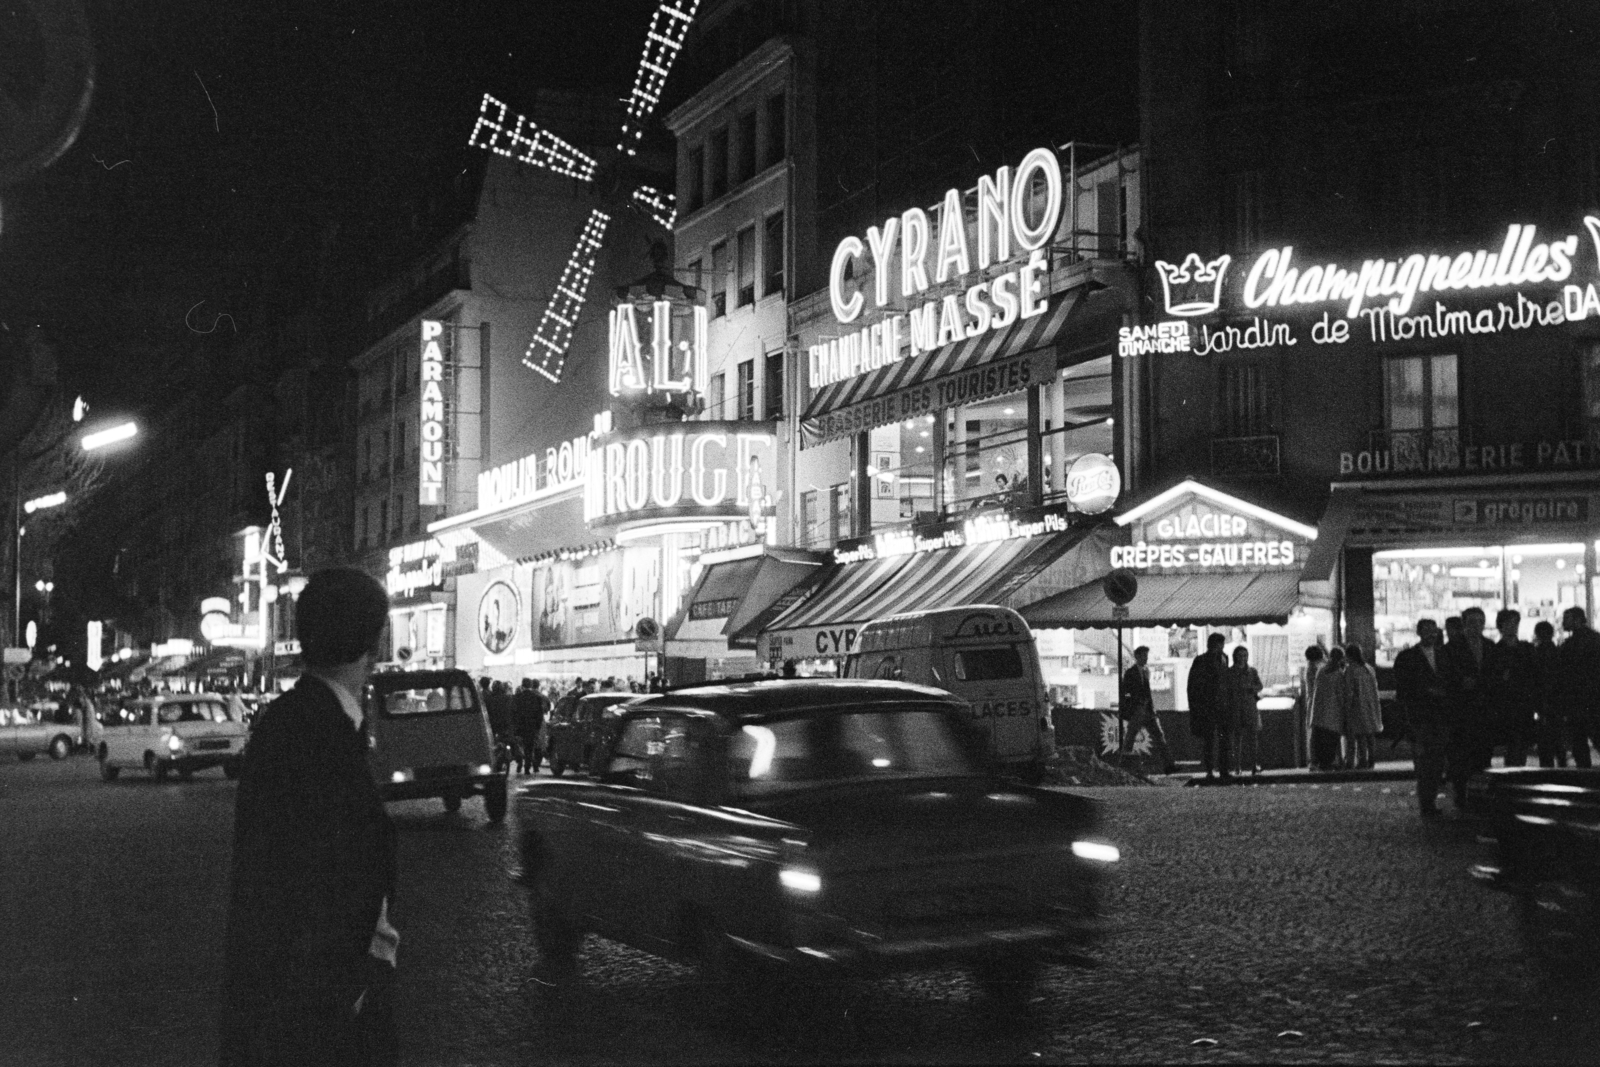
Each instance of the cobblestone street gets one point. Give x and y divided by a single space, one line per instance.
1307 923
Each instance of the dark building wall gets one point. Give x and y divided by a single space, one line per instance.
1354 130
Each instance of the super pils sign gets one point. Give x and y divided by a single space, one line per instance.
430 471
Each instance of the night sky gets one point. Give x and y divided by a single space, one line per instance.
227 142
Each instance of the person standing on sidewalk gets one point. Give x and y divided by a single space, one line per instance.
1364 713
1328 704
1419 686
1308 695
309 953
1578 685
1206 709
1466 674
1241 690
1513 689
1552 740
1138 709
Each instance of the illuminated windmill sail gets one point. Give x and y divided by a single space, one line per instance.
518 137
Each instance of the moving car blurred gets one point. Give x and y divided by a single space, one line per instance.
810 827
575 731
44 726
1544 834
182 732
429 737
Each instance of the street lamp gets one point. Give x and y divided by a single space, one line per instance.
109 436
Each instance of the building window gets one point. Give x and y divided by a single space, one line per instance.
382 530
692 274
747 147
1590 356
772 386
361 528
772 255
839 526
694 182
1244 408
1422 393
777 128
1422 412
719 162
747 267
747 390
719 279
810 521
400 448
717 395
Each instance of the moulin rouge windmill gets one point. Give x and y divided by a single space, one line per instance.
499 130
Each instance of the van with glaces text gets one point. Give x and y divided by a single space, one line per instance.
984 654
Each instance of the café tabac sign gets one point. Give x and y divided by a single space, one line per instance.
1193 528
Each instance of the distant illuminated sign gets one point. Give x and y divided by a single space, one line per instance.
980 529
430 471
416 566
535 476
1093 483
693 469
676 359
1192 527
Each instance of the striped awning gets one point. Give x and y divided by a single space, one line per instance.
1025 335
825 622
1176 600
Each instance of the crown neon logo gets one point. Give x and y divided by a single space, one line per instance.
1194 287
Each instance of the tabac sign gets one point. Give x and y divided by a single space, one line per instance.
1194 528
1521 279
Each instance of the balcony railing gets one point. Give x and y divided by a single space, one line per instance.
1437 449
1246 457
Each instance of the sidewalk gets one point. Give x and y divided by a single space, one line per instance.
1384 771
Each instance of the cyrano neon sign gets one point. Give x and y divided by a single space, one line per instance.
1003 229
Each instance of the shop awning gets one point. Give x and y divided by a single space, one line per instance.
222 660
1176 600
734 593
924 371
826 621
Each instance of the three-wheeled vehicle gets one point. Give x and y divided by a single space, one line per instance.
428 736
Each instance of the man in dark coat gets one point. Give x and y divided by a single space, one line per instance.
1513 689
527 717
1206 720
1467 673
1577 689
1419 687
1138 710
309 954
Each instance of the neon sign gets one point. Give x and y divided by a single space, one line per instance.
1143 556
534 476
690 469
1001 222
980 529
677 364
430 472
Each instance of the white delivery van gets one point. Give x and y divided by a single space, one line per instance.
984 654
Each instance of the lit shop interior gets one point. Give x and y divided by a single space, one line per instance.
981 450
1080 666
1539 580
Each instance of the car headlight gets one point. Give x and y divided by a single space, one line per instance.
800 880
1096 850
401 776
483 768
174 743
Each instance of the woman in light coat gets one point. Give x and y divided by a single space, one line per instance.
1329 701
1365 711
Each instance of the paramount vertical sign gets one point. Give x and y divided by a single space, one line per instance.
430 470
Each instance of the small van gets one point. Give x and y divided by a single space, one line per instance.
428 736
984 654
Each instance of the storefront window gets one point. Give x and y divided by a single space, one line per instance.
1076 418
901 466
1540 581
986 455
1422 412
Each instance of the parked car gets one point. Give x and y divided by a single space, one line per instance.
806 827
180 732
1543 830
44 726
574 735
429 737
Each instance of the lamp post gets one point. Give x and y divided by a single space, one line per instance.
103 437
